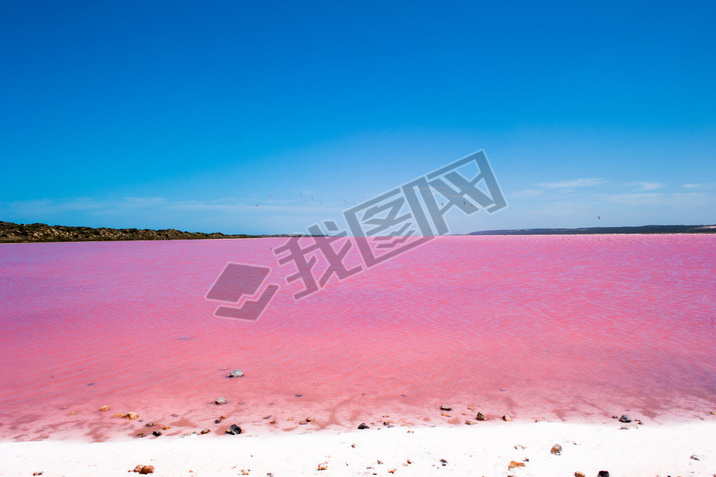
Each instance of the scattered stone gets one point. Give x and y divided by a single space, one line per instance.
379 462
392 471
481 417
149 424
472 408
205 431
37 473
603 473
156 433
323 466
443 462
237 373
144 469
624 428
506 418
141 434
695 457
514 464
445 408
272 422
445 414
234 430
579 474
104 408
220 401
470 422
556 449
310 419
353 446
131 415
245 471
302 423
218 421
363 425
119 414
624 419
638 421
166 428
713 413
388 424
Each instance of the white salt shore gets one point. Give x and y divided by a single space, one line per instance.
485 449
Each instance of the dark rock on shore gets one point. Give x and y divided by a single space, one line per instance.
445 408
237 373
363 425
234 430
603 473
624 418
481 417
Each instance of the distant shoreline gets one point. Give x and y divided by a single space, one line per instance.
643 229
35 233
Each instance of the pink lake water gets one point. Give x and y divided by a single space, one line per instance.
555 327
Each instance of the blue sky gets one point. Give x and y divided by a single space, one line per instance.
188 114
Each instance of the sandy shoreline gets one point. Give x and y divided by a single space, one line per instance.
484 449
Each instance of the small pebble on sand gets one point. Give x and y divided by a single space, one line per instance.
144 469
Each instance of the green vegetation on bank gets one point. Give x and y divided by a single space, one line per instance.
17 233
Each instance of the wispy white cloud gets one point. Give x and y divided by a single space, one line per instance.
643 186
704 186
658 199
227 215
573 184
524 193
